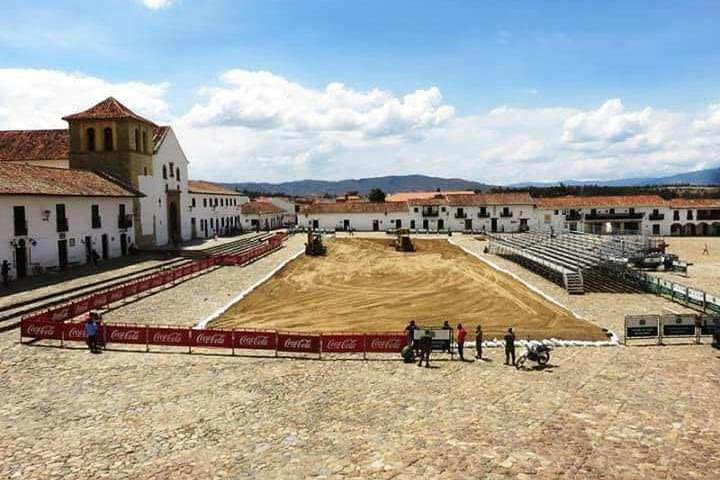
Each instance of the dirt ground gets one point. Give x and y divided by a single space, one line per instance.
364 285
704 273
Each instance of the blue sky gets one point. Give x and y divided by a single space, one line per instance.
545 68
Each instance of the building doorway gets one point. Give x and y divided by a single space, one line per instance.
62 254
493 225
21 260
441 224
105 246
426 224
376 225
88 249
468 224
173 224
346 224
123 244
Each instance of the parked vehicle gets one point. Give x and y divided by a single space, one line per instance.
536 352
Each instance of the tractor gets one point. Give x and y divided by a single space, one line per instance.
314 246
403 243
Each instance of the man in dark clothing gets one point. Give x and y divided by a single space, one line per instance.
509 347
410 331
95 258
478 342
5 270
425 347
461 334
446 346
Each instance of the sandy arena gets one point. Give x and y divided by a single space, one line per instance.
364 285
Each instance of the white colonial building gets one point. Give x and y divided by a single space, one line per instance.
261 216
54 217
361 216
214 209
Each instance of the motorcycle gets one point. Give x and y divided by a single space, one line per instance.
537 353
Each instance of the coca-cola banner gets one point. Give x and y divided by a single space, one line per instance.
99 300
385 342
143 285
125 334
116 294
40 329
59 314
211 338
343 343
74 332
176 337
156 280
298 342
80 307
257 340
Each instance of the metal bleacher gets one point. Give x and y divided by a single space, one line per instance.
579 262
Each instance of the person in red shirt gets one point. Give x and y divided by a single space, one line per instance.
461 334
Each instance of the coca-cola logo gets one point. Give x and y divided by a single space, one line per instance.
254 341
76 332
167 337
298 343
41 330
210 338
385 344
345 344
61 314
125 335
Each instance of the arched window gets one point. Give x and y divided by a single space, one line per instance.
137 140
164 172
91 139
144 142
172 170
108 138
177 174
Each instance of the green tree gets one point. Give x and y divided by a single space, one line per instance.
376 195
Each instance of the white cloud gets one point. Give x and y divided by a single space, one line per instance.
261 100
157 4
257 126
31 98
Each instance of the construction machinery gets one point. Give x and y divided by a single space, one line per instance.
314 245
403 243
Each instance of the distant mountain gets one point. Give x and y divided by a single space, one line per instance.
700 177
389 184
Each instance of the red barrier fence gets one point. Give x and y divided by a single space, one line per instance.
244 339
78 307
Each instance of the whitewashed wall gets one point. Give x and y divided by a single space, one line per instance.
42 229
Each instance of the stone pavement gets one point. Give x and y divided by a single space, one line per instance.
598 413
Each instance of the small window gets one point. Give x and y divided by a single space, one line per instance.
108 138
177 174
91 139
138 146
193 201
164 172
144 142
205 202
145 171
172 170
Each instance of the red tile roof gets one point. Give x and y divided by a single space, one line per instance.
159 133
695 203
405 196
356 207
201 186
108 109
29 145
571 201
428 202
19 179
259 208
481 199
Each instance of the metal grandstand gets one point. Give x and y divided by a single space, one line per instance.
578 261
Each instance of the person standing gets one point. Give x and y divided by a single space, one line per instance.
92 331
446 345
425 347
95 257
410 331
478 341
509 347
706 250
5 271
461 334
